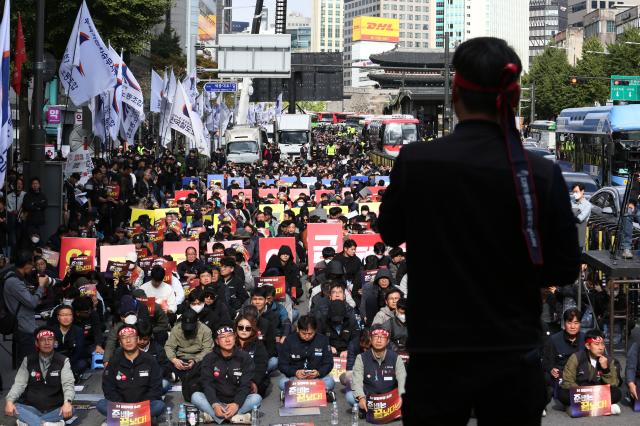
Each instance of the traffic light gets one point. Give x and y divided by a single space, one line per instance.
620 82
573 81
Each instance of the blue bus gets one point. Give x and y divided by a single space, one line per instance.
599 141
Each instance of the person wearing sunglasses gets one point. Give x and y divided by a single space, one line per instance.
248 339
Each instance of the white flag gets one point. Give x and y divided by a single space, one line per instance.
185 120
190 84
131 120
156 92
278 106
113 107
6 128
131 91
87 68
96 105
170 94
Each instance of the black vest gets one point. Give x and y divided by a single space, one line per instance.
563 349
379 378
583 371
44 392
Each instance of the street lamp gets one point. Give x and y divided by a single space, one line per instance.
632 42
596 52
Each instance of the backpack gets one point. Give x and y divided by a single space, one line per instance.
8 321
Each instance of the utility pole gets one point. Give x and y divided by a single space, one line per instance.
38 132
532 94
447 71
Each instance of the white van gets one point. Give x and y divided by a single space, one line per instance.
244 144
292 131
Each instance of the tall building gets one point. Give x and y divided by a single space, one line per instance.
416 20
578 9
326 26
299 26
546 19
628 19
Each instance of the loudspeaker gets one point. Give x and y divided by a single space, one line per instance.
51 182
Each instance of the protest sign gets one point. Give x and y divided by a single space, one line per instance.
217 180
115 269
162 213
383 408
52 257
264 192
79 161
308 180
113 191
339 367
590 401
126 414
305 393
213 259
320 192
343 209
295 193
319 236
88 289
177 249
373 207
169 268
74 247
81 263
187 181
182 194
279 283
248 195
136 213
277 210
117 253
271 246
370 275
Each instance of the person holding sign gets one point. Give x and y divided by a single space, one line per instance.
376 371
132 375
306 355
44 385
226 380
590 367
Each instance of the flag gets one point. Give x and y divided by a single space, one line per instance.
169 95
113 104
190 84
186 121
131 120
131 91
87 69
96 105
278 107
156 92
6 129
19 59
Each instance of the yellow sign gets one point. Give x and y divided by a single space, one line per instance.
206 28
372 28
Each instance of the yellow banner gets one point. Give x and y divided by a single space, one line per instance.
372 28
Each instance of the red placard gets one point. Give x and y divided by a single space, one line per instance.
370 275
113 191
88 289
118 253
305 393
365 243
374 192
319 193
248 194
182 194
339 367
383 408
590 401
127 414
279 283
270 246
264 192
294 193
177 249
74 247
319 236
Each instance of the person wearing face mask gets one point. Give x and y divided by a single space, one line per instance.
188 343
128 310
397 327
581 208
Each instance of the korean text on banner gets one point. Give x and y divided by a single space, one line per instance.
305 393
115 253
590 401
319 236
270 247
132 413
74 247
383 408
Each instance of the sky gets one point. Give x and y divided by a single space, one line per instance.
243 9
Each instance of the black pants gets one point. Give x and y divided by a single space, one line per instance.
442 389
563 395
25 345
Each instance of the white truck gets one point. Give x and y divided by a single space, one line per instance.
291 132
244 145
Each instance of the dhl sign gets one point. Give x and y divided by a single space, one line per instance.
372 28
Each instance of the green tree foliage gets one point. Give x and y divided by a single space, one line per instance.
624 59
550 73
590 91
167 52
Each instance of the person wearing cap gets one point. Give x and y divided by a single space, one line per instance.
132 376
43 388
376 371
188 343
306 355
226 376
591 367
207 305
233 286
163 292
527 234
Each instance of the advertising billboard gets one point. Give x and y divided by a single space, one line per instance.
372 28
206 28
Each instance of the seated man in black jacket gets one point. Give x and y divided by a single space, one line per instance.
70 340
235 292
226 377
306 355
132 375
339 327
147 344
89 321
190 268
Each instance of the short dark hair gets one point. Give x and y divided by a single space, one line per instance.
392 290
579 185
572 314
228 261
306 322
402 304
144 328
259 292
481 60
23 257
593 333
157 273
349 244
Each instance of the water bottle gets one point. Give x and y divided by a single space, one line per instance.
168 419
354 415
255 421
334 414
182 416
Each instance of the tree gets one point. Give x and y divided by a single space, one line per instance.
167 52
624 59
590 91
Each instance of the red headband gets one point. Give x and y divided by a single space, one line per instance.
380 332
590 340
127 331
45 333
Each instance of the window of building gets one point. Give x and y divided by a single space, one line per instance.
417 44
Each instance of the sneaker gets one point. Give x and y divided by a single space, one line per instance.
281 396
241 419
544 413
331 396
627 254
21 423
206 417
615 409
58 423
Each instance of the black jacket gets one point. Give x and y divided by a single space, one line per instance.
234 292
295 354
476 241
157 351
342 334
260 358
71 344
35 204
227 380
126 381
290 271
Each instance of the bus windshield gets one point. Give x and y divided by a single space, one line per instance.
400 133
242 147
296 138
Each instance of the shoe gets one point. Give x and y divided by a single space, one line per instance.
331 396
58 423
544 413
281 396
615 409
626 254
21 423
241 419
206 417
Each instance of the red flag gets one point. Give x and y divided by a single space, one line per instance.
19 59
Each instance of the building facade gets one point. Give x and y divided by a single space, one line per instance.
546 19
299 26
630 18
600 24
578 9
327 26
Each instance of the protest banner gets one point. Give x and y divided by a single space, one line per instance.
590 401
213 259
343 209
187 181
146 263
117 253
294 193
217 180
305 393
339 367
52 257
248 194
136 213
162 213
113 191
264 192
370 275
128 413
74 247
88 289
319 236
79 161
320 192
81 263
115 269
277 210
373 207
235 180
308 180
271 246
182 194
365 243
383 408
176 249
279 283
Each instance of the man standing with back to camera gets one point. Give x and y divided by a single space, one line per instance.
519 237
